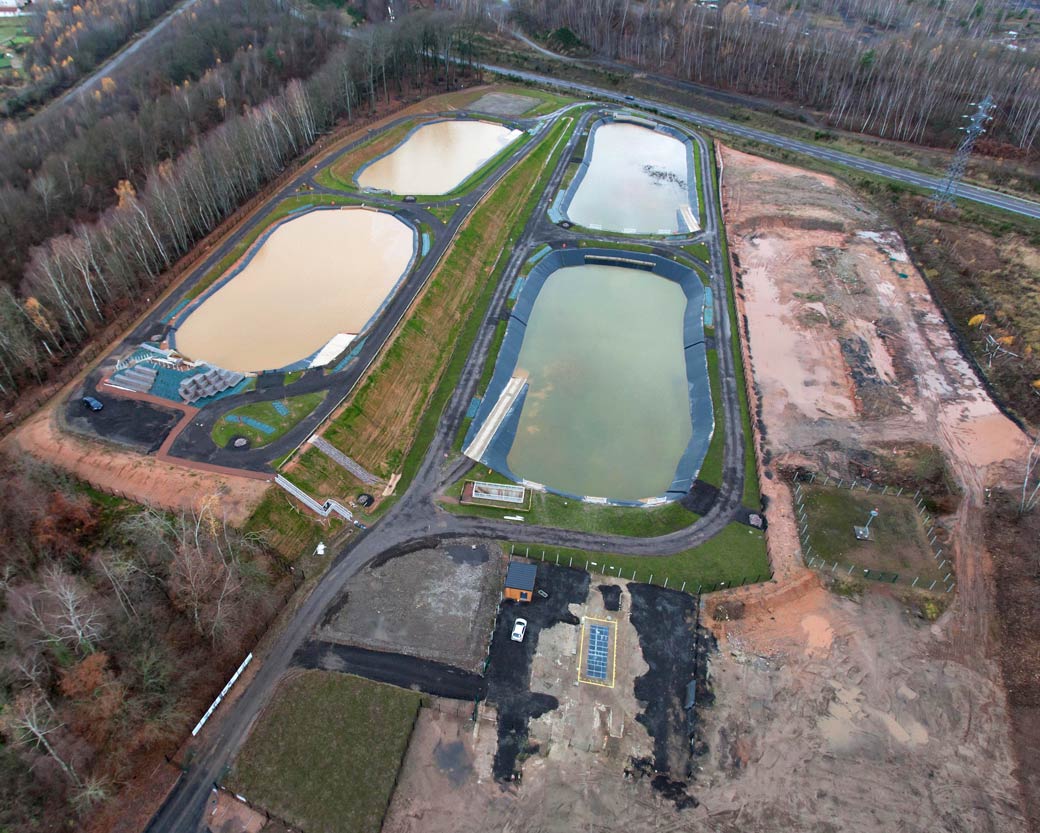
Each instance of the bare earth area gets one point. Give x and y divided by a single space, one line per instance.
834 714
436 604
144 479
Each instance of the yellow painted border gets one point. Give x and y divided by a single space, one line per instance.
612 625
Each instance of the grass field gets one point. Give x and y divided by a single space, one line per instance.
266 413
553 510
752 495
325 754
384 419
736 555
291 530
897 545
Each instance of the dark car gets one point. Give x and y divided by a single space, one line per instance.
92 403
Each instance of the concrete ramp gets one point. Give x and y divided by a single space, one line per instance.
478 448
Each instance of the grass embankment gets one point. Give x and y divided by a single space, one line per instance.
291 531
233 423
752 496
897 545
282 209
397 408
326 753
737 555
340 174
564 513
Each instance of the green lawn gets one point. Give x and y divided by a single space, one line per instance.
444 213
699 251
752 495
898 543
563 513
298 406
737 555
711 468
325 755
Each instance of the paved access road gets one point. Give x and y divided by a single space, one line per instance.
985 196
415 518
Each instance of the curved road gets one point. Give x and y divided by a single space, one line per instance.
415 518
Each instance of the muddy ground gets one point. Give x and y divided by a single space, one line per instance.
855 715
438 604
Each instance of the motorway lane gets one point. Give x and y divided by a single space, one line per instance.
985 196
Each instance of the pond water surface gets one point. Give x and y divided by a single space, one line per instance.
437 157
317 275
607 411
636 181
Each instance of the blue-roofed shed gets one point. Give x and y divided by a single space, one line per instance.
520 581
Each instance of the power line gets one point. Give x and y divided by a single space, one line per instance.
946 191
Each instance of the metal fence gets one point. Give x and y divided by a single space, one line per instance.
647 577
816 561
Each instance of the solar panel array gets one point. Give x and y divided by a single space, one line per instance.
596 663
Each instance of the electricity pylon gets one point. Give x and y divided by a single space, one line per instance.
945 192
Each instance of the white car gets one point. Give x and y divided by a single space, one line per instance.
519 629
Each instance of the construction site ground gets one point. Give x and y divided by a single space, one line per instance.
576 769
436 604
837 713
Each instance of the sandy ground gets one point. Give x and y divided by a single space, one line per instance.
229 815
140 478
833 714
837 713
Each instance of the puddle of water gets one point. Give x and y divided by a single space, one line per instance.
607 411
317 275
437 157
636 181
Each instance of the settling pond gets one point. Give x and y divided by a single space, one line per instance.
617 402
436 157
310 278
634 180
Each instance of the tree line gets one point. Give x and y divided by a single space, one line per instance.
61 167
71 40
77 280
893 69
118 624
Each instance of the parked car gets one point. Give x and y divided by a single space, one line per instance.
92 403
519 629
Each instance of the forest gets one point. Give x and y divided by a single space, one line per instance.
71 40
118 624
97 201
899 70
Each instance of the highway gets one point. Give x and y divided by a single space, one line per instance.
985 196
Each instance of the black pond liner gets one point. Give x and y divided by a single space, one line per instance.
699 388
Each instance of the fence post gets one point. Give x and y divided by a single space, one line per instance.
930 586
683 588
666 581
699 586
915 581
651 579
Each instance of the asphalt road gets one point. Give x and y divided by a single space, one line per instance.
415 518
985 196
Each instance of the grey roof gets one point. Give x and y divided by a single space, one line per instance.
521 576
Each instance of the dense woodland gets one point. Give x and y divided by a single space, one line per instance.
69 40
896 69
97 201
117 624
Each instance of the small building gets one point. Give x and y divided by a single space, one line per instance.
520 581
